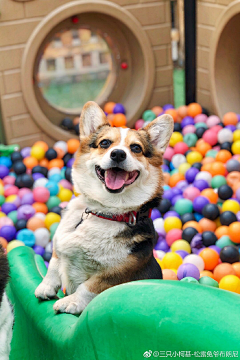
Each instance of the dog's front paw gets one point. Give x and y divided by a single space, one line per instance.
69 304
45 292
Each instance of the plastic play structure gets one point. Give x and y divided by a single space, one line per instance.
121 323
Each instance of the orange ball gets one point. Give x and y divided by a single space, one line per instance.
203 147
222 270
166 178
230 118
76 120
169 274
42 144
175 178
236 186
223 156
60 152
108 107
157 110
55 163
73 145
234 232
207 160
207 225
206 167
182 111
3 242
210 195
35 223
233 178
210 258
173 113
40 207
119 120
30 162
44 162
206 273
221 231
217 168
194 109
193 224
236 267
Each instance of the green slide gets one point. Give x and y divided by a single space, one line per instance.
143 319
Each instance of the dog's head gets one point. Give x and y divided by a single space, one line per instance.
119 168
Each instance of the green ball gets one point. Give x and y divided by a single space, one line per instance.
190 279
63 173
218 181
53 229
211 153
148 115
183 206
174 171
190 139
206 280
201 124
13 216
2 199
53 201
224 241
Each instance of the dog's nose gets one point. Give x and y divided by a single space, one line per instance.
118 155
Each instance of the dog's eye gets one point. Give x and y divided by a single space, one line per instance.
105 143
136 148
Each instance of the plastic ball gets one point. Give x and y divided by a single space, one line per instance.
41 194
37 152
175 138
8 232
51 218
210 258
108 107
169 274
51 154
172 223
4 171
218 181
190 139
172 260
208 238
181 245
188 270
231 205
25 212
208 281
211 211
236 267
233 165
177 160
65 195
227 218
42 236
225 135
148 115
14 244
229 254
8 207
173 235
225 192
52 202
19 167
21 224
230 283
27 236
195 260
16 156
34 223
230 118
194 109
183 206
236 147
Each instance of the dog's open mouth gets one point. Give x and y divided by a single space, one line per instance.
115 179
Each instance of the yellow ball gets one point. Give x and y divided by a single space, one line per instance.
37 152
2 214
1 189
51 218
160 262
172 222
231 205
230 283
218 222
181 245
14 244
10 198
172 260
193 157
175 138
65 194
236 147
76 193
236 135
183 168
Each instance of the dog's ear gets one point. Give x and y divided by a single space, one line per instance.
91 118
160 131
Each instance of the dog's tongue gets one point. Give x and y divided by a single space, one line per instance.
115 179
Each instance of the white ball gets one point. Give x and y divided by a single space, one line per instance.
61 145
54 171
238 126
40 215
146 123
195 260
48 247
40 182
42 236
177 160
225 135
160 254
159 225
204 175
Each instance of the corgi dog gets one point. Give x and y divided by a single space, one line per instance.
6 313
106 235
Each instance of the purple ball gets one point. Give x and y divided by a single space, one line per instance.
168 106
8 207
38 250
162 245
199 202
197 243
188 270
231 127
46 263
161 237
36 176
165 168
238 116
191 174
238 193
119 108
168 194
25 212
216 248
182 185
4 171
70 162
238 216
27 199
8 232
188 120
161 113
182 253
176 198
155 214
171 213
25 152
177 191
201 184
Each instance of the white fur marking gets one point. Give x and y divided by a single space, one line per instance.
123 133
6 324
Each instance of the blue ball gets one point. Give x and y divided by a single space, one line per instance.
4 160
55 177
119 108
198 216
53 188
27 236
8 232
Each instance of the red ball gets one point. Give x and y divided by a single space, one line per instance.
210 137
139 124
41 194
173 235
181 148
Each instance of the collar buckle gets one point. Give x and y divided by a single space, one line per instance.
132 219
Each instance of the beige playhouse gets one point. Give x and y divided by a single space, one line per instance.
218 55
57 54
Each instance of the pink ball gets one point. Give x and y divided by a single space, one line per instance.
66 184
210 137
5 221
9 180
41 194
191 193
29 171
180 148
173 235
168 153
23 192
188 129
13 190
212 121
200 118
63 204
217 148
139 124
216 128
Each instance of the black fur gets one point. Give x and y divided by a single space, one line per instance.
4 272
151 270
